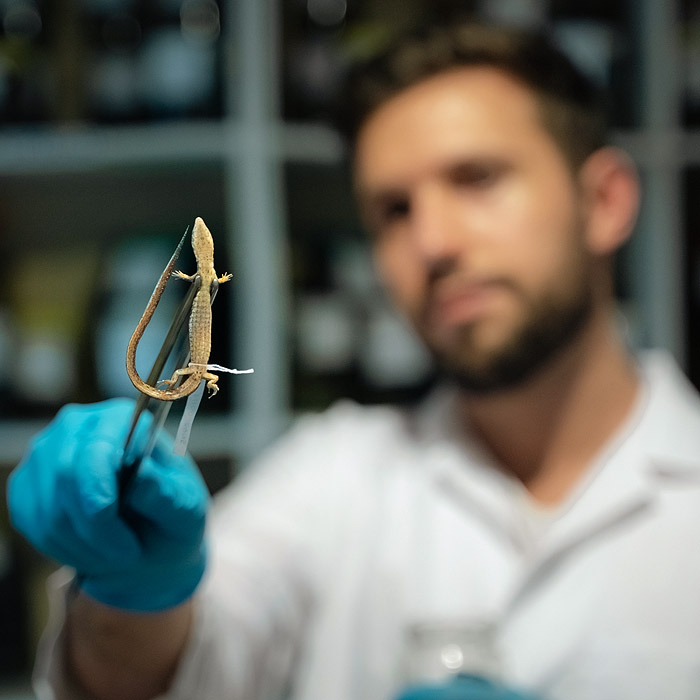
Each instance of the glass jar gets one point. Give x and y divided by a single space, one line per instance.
437 650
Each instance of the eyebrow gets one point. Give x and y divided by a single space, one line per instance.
454 166
381 195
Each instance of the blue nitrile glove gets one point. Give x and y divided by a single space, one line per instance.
464 687
63 498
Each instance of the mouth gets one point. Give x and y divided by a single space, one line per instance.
461 302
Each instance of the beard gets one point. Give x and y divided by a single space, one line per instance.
549 325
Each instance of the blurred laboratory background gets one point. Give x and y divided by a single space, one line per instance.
123 120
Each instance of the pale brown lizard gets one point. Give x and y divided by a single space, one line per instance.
199 324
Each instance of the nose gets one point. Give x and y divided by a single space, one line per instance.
434 226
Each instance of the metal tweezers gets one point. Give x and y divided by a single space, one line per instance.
130 461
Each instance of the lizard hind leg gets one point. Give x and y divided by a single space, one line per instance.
211 383
184 371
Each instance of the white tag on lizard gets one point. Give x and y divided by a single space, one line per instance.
219 368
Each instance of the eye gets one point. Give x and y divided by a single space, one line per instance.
387 210
478 174
393 208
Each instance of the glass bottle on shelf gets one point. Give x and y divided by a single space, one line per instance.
25 71
154 60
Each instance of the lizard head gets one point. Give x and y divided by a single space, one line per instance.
201 237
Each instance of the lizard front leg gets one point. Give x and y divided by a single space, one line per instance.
184 276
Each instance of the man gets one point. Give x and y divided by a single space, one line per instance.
548 495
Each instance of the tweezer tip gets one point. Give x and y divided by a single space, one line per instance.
182 240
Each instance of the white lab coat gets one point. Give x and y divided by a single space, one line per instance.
363 521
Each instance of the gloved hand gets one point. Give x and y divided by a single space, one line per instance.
63 498
464 687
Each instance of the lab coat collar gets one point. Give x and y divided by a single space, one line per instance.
658 447
461 466
659 441
671 425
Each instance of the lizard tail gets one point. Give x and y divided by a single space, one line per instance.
145 319
185 389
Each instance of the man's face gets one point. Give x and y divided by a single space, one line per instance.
477 226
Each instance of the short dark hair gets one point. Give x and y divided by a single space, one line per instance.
572 106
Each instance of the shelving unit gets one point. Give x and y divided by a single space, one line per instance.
248 151
252 144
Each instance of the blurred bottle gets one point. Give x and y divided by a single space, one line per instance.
24 62
436 650
391 356
178 61
116 37
156 60
690 55
50 295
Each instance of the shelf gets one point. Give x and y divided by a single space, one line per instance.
26 151
212 436
20 693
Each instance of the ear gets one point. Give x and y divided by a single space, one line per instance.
610 194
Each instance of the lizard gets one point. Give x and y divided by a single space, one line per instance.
199 322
